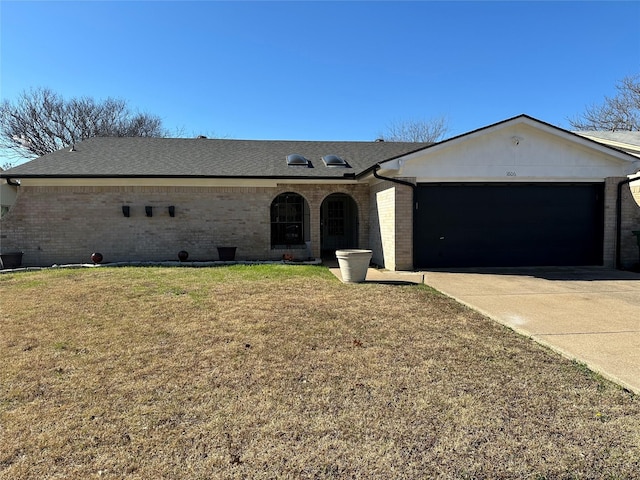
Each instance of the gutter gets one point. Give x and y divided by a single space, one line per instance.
377 167
414 187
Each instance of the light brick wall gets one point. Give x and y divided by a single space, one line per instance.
66 224
316 194
609 243
630 221
392 225
635 191
404 226
383 237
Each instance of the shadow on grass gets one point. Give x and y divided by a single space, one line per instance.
391 282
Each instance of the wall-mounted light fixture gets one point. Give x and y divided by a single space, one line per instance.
126 210
148 211
172 211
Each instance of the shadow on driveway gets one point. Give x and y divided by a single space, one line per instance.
551 273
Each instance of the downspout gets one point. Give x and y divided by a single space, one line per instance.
413 201
394 180
619 219
12 183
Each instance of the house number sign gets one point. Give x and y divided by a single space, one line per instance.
511 174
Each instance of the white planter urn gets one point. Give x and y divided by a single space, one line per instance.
353 264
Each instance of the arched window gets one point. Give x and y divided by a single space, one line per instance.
289 216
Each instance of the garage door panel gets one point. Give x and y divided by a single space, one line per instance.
509 225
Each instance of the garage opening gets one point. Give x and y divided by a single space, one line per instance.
509 225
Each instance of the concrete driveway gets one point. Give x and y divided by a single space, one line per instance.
591 315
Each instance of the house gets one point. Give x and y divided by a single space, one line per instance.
516 193
622 140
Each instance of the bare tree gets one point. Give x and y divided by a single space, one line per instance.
431 130
621 112
41 121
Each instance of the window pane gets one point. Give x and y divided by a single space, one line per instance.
287 220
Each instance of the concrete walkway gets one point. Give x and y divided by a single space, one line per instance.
591 315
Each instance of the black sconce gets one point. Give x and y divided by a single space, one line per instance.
126 211
172 211
148 211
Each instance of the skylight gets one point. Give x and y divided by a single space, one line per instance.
297 159
334 161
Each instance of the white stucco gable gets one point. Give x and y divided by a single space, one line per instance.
518 149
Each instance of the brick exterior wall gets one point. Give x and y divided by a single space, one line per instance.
316 194
56 225
609 243
630 210
635 191
382 232
392 225
404 226
629 251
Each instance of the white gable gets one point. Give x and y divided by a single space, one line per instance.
520 149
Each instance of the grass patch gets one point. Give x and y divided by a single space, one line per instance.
284 372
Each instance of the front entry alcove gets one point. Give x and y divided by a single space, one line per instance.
338 223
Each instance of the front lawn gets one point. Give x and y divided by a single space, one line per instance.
284 372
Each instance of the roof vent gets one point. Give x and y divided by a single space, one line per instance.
201 136
334 161
296 159
379 140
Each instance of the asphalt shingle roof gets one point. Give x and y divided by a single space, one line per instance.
631 138
199 157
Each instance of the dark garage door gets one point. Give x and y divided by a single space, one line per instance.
498 225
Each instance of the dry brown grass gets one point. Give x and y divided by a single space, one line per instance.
284 372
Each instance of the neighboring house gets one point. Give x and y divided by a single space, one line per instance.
516 193
8 195
622 140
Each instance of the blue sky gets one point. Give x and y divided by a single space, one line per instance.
323 70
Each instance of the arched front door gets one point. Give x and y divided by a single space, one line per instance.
338 222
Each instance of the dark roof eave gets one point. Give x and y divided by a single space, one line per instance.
349 176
